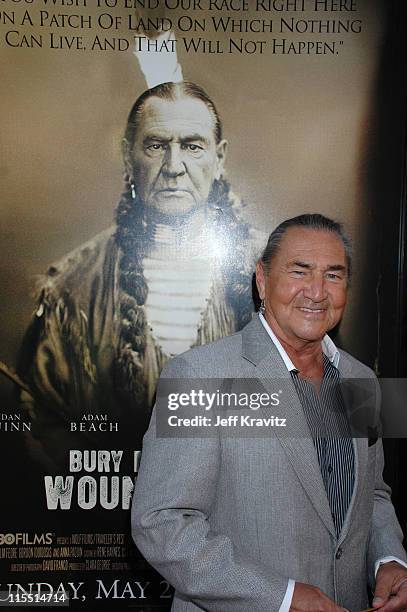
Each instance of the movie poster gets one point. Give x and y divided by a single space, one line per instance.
128 237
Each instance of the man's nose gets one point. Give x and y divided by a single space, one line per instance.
315 288
173 164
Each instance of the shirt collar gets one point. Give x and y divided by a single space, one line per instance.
328 347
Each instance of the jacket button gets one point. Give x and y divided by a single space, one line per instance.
338 554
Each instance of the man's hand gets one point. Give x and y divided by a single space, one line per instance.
307 598
391 588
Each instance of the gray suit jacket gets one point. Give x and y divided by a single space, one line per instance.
228 520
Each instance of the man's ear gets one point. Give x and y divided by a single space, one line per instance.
128 165
221 149
260 280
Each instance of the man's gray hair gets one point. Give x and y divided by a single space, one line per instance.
313 221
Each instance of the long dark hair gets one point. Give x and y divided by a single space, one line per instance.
171 92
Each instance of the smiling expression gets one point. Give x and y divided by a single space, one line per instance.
305 288
175 157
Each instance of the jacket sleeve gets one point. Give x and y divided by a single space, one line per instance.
386 536
175 490
55 364
58 355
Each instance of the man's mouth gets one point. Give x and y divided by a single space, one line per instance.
172 191
311 310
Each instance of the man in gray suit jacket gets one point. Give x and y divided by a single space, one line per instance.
298 519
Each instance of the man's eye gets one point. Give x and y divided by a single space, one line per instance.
298 272
333 276
156 146
194 148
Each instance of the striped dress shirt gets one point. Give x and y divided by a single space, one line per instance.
328 424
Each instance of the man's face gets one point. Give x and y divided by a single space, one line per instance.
305 290
175 158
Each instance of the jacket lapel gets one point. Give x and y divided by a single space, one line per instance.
355 396
296 439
